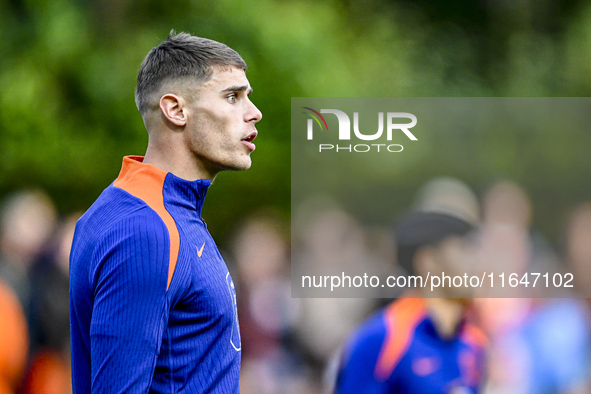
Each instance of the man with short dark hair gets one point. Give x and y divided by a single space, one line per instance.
420 345
153 306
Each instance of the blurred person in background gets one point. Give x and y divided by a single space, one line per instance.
13 341
574 376
427 345
152 303
28 218
267 312
504 248
50 369
448 195
537 345
328 240
578 246
419 345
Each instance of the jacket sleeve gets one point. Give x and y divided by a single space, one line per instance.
357 368
130 310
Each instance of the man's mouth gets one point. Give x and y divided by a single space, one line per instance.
248 140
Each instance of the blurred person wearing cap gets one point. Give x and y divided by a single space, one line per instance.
152 303
421 345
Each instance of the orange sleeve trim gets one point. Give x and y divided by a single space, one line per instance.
401 317
146 182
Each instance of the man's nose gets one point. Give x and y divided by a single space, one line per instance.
253 114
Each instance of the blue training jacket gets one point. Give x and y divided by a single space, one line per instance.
152 304
398 350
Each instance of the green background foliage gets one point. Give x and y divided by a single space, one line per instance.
68 69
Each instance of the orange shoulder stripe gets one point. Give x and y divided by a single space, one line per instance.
402 317
146 182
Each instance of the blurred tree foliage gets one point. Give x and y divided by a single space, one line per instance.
68 69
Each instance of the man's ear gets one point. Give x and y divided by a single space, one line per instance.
172 107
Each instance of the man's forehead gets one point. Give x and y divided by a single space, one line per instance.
224 77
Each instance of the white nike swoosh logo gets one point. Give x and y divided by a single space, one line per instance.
200 251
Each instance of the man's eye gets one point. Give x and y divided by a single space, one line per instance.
232 98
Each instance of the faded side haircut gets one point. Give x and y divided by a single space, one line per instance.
181 56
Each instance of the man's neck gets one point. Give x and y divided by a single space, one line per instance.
446 314
177 161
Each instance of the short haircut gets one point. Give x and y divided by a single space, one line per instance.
181 56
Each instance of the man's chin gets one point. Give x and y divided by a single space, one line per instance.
239 166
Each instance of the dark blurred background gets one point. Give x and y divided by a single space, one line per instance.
67 117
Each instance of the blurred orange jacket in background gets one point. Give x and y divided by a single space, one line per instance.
13 341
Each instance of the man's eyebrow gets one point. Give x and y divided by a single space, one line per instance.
237 88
